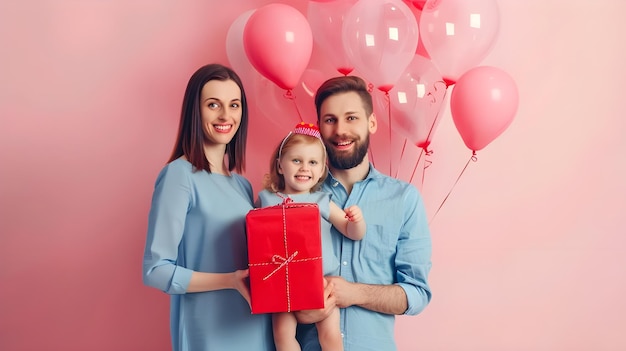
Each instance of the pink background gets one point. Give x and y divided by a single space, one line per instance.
528 249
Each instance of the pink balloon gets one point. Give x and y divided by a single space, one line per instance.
234 46
278 42
380 38
416 101
458 34
483 104
326 20
289 108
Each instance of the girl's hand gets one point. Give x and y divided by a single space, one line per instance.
354 214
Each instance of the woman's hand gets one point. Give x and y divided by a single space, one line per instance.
240 283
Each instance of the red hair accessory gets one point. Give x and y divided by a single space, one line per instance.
309 129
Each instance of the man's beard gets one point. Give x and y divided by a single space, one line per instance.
344 160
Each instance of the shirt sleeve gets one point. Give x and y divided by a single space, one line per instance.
414 250
171 201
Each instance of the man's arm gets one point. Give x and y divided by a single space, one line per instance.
388 299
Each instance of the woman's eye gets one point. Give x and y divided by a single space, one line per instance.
234 105
213 105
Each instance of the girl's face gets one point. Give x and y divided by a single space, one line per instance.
302 165
220 107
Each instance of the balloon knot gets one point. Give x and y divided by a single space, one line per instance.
289 95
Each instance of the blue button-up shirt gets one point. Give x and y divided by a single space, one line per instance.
395 250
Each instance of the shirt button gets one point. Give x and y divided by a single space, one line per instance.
345 263
335 184
342 335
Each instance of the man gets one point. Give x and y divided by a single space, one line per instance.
384 274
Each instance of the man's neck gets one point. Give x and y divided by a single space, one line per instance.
347 177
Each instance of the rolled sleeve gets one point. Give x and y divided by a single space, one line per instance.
166 222
413 258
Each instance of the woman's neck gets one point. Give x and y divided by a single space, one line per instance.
215 156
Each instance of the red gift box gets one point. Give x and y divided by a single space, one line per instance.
285 258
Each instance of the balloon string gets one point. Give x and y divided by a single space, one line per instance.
472 158
388 100
401 156
289 95
370 88
432 127
427 164
424 145
416 163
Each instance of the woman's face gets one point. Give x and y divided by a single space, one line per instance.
220 108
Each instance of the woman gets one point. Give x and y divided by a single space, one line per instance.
196 246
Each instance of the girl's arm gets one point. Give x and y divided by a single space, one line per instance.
349 222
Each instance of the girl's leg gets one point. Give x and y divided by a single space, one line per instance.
329 332
284 326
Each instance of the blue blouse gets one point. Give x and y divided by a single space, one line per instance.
197 223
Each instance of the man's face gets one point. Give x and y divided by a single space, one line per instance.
345 129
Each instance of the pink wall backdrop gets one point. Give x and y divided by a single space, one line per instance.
528 248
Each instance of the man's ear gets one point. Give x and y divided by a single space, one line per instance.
372 123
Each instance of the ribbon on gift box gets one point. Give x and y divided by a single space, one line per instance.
284 261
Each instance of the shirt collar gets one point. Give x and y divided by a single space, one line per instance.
373 174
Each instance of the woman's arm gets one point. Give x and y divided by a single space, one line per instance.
201 281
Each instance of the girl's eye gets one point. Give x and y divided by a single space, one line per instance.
234 105
296 161
313 162
213 105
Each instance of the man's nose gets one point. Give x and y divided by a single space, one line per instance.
341 128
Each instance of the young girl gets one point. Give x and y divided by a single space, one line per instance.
297 169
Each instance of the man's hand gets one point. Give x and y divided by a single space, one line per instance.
345 293
314 316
